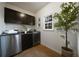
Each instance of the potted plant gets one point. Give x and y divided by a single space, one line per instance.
66 20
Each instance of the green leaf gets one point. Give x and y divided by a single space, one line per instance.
68 14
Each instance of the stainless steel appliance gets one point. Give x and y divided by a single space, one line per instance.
10 44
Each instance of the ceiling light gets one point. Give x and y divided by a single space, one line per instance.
22 15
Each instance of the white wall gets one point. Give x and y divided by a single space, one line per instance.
4 26
52 39
78 43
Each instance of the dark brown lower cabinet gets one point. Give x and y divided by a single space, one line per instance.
27 41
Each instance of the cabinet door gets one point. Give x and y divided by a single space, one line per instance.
26 41
30 20
33 20
10 16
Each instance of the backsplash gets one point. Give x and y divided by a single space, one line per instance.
18 27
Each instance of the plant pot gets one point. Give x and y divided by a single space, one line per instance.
67 52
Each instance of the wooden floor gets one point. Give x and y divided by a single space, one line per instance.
38 51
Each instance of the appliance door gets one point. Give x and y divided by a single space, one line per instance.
10 45
36 38
0 47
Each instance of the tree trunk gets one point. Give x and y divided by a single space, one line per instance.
66 40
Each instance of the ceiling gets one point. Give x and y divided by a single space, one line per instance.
30 6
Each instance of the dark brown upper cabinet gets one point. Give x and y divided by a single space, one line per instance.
15 17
